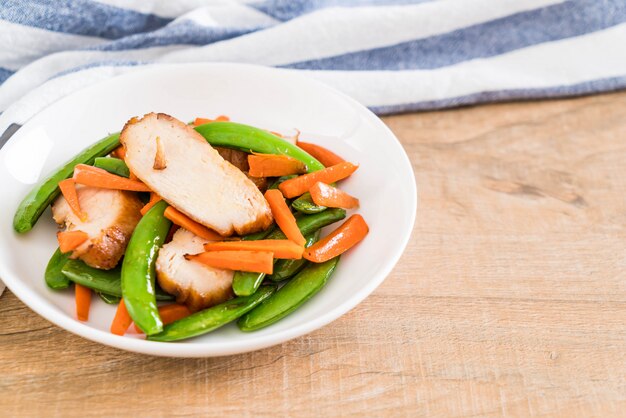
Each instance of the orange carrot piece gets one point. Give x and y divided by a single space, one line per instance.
282 248
321 154
329 196
83 302
170 313
68 189
122 320
154 199
272 165
119 152
97 177
202 121
299 185
70 240
190 225
339 241
283 216
253 261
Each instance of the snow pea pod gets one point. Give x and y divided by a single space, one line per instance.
286 269
102 281
113 165
289 297
209 319
38 199
109 299
248 138
279 180
305 204
55 279
246 283
138 269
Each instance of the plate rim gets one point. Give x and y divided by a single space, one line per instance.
30 298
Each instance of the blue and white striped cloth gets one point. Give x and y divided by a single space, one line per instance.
392 56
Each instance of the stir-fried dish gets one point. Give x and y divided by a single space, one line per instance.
187 227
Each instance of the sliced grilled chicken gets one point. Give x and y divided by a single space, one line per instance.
111 219
195 179
194 284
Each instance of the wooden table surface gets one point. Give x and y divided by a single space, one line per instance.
510 299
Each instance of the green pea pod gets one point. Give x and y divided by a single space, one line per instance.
279 180
212 318
306 205
246 283
248 138
259 235
55 279
138 269
38 199
102 281
286 269
109 299
113 165
289 297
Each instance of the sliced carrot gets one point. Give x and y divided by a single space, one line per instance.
190 225
70 240
299 185
170 313
283 216
282 248
122 320
83 301
154 199
253 261
321 154
339 241
68 189
202 121
119 152
97 177
272 165
332 197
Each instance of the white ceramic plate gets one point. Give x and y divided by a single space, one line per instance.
268 98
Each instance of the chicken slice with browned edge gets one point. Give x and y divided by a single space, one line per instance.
194 284
112 216
180 166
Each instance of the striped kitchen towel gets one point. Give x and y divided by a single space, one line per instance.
392 56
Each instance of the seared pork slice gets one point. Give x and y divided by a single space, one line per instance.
196 180
194 284
111 219
240 160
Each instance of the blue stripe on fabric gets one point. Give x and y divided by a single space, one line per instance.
4 74
80 17
602 85
284 10
488 39
98 64
183 32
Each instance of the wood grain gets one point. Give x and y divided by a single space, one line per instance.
509 301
